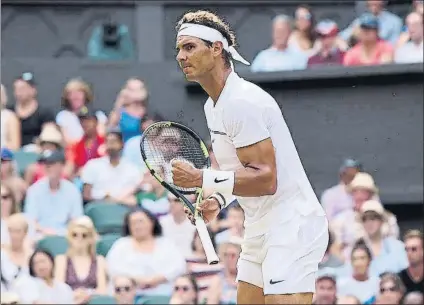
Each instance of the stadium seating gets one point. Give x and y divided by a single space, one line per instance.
105 243
23 159
107 217
101 299
53 244
157 299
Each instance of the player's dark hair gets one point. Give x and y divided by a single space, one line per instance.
32 258
211 20
157 228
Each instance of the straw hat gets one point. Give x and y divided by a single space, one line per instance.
52 135
363 181
373 206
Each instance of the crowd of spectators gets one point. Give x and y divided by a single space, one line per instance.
375 37
82 221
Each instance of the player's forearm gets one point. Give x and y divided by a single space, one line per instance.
255 180
250 181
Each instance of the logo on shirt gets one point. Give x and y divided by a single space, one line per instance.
275 282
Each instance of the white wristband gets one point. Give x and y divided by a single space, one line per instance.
218 181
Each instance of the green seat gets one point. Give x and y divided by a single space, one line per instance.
107 217
105 243
154 299
24 159
54 244
102 299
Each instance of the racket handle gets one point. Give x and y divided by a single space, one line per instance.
211 255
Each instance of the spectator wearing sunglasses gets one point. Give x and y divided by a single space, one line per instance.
391 290
125 289
303 39
185 291
223 288
80 267
388 252
413 276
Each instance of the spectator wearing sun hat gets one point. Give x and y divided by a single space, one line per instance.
50 139
347 226
337 199
329 53
388 253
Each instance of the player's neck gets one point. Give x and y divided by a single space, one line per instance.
214 82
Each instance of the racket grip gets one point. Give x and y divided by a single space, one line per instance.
211 255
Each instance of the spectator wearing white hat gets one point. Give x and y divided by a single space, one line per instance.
337 199
329 52
50 139
388 253
348 226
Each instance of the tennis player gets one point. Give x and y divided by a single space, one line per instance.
286 231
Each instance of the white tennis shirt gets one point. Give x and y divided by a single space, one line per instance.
244 115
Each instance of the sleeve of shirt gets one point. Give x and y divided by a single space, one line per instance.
101 117
174 265
77 207
30 208
347 33
61 119
396 30
88 173
256 65
114 257
246 126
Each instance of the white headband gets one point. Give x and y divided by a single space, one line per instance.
209 34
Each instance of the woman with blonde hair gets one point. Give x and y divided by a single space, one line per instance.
10 125
75 96
80 267
15 255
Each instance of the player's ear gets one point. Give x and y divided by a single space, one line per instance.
217 48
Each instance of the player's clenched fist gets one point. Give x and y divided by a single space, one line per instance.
209 208
185 175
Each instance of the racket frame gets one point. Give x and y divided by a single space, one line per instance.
200 224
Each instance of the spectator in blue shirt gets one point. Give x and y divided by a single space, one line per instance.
388 253
390 25
279 57
52 201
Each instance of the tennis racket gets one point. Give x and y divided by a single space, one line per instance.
163 142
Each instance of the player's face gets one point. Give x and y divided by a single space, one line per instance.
194 57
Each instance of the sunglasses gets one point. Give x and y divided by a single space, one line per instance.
122 289
82 235
387 289
5 196
181 288
412 249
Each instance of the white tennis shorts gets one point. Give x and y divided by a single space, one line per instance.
285 260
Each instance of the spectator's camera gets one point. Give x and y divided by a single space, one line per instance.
111 36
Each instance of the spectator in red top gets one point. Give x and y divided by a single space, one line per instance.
91 145
371 50
329 53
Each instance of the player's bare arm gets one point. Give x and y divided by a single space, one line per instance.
258 177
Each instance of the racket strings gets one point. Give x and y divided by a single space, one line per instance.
162 145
